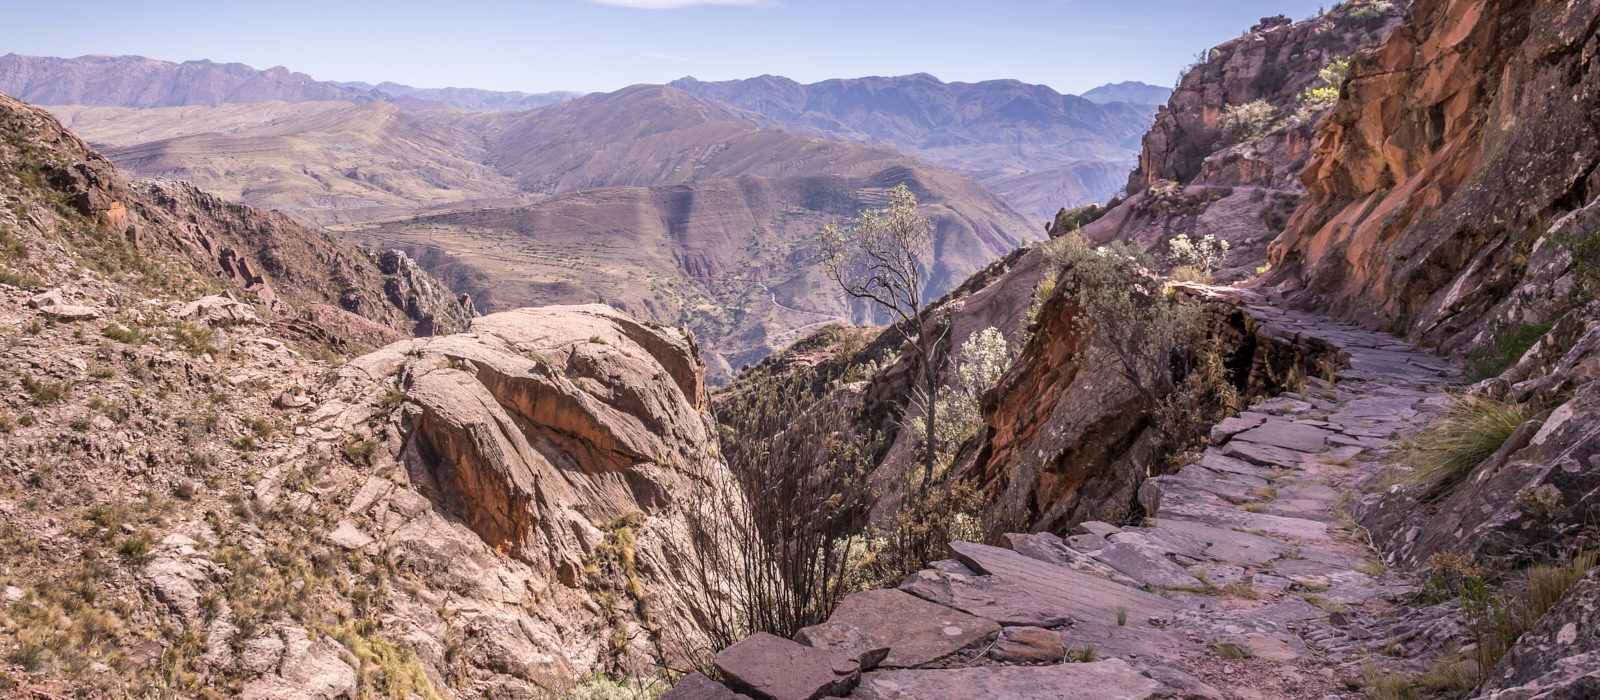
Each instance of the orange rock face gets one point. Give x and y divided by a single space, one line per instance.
1455 145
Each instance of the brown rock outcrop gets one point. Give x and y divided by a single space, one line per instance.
546 429
1455 144
1197 179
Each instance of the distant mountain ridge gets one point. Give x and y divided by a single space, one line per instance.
469 98
1131 92
1027 142
136 81
143 83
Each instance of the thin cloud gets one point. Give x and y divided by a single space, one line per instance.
675 4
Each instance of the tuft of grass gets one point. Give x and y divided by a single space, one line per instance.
1327 606
361 452
1086 655
1230 651
45 393
123 334
194 339
392 399
389 670
1122 616
1241 590
1469 433
1547 584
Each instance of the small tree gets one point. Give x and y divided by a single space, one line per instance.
875 257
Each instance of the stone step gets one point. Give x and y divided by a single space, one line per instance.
1086 597
1111 679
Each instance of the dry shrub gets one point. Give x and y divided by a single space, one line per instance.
779 546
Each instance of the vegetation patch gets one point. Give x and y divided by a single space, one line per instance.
1472 430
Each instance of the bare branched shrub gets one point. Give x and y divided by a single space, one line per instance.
783 555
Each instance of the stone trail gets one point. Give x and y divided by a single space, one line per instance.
1249 583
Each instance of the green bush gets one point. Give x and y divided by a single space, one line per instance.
1506 351
1248 122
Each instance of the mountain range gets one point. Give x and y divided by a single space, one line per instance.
1038 148
137 81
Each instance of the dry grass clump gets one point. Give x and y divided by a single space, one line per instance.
1470 433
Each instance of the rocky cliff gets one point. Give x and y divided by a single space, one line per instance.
1225 153
1460 143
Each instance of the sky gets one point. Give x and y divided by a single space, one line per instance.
604 45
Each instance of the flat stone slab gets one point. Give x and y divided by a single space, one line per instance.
1317 574
1129 641
1140 560
1228 517
918 632
1386 408
349 536
1228 545
1230 427
986 597
1265 455
696 686
1048 548
767 667
1085 596
70 312
1218 462
1291 609
1218 575
1368 431
1111 679
845 640
1289 436
1277 646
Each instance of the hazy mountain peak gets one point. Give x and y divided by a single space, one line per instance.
1130 91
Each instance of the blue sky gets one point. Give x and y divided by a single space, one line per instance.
602 45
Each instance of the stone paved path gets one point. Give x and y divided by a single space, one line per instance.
1249 584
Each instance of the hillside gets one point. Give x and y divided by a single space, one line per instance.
169 236
210 490
320 162
992 131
